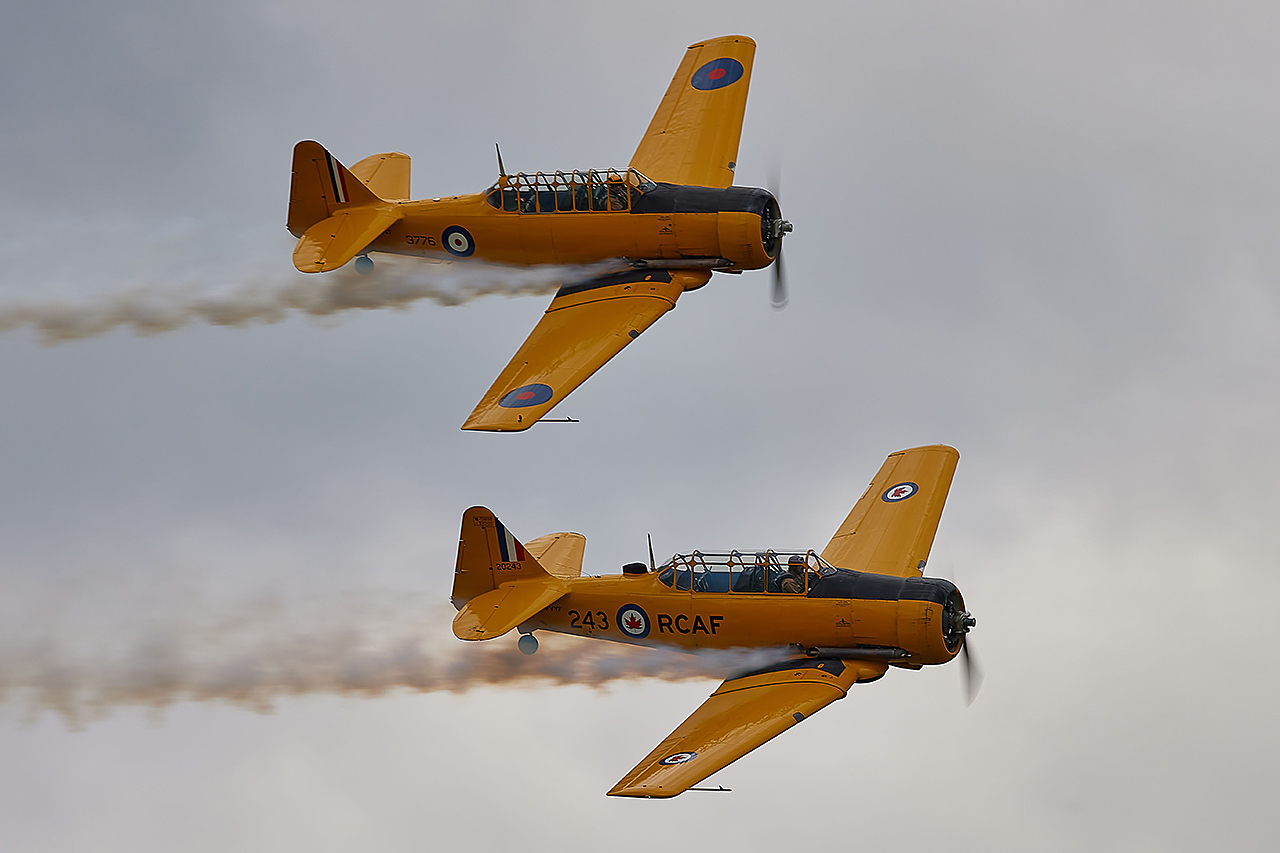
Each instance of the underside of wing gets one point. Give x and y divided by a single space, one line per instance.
587 324
742 714
890 530
693 137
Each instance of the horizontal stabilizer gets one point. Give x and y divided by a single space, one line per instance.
332 242
559 553
498 611
386 175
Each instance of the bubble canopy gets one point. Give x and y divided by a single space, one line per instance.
574 191
743 571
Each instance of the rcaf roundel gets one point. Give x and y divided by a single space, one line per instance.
900 492
678 758
526 395
633 621
458 241
717 74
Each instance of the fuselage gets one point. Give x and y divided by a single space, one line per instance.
540 219
836 609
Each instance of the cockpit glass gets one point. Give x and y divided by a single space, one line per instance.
766 571
572 191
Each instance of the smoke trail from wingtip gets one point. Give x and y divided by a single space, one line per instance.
257 652
152 307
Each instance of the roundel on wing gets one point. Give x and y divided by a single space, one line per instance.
633 621
717 74
458 241
900 492
526 395
678 758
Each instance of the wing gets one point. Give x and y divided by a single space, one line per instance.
587 324
741 715
693 137
891 528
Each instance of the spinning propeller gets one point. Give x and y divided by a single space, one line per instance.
958 627
972 673
777 228
958 621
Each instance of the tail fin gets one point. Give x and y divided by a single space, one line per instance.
498 584
332 212
488 555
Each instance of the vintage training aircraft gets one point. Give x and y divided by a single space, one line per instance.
838 618
670 219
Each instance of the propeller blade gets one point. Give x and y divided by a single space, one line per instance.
972 674
778 298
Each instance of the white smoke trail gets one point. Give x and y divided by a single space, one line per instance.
252 653
153 307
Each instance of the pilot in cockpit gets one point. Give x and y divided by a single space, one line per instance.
793 581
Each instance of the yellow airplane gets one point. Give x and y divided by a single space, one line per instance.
669 219
836 618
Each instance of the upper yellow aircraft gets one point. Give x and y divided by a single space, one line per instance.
670 219
835 619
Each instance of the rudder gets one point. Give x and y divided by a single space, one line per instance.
489 555
320 187
332 211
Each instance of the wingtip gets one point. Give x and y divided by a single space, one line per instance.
944 448
641 792
480 424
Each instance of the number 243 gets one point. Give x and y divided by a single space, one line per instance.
588 620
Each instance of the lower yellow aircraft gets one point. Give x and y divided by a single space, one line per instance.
669 220
836 618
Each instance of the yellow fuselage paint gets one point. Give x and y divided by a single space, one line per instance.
703 620
572 237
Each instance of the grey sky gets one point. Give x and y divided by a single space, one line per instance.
1043 233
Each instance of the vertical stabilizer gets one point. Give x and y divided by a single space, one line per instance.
321 187
334 215
489 555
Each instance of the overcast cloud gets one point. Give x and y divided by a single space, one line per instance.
1042 233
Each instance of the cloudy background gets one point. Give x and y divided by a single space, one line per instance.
1042 233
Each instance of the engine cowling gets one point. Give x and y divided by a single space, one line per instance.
932 620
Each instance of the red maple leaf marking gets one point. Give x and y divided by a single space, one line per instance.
633 622
898 492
